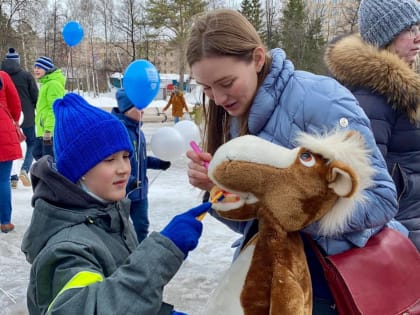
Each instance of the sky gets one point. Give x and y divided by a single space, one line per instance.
169 194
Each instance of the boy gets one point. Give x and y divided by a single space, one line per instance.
84 254
137 187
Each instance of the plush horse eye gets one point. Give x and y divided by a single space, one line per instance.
307 159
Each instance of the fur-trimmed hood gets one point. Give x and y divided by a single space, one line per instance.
358 64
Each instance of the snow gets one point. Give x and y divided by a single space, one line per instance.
170 193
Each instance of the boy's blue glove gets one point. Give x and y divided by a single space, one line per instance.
185 230
177 313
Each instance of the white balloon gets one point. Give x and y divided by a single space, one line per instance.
167 144
189 132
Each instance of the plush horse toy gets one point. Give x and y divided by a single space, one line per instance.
286 190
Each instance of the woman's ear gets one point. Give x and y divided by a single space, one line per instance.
259 58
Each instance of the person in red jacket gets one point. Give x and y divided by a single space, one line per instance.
10 109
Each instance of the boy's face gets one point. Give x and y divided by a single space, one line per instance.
39 72
108 179
135 114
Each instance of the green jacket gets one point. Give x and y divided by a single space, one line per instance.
52 87
85 256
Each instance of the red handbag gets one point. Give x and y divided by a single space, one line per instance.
382 278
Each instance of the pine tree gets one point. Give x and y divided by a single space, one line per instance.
251 9
301 37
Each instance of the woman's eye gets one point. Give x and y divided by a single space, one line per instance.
227 84
307 159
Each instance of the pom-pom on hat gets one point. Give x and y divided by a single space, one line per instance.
45 63
380 21
124 103
13 55
85 135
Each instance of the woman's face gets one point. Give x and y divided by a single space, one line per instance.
407 44
229 82
108 179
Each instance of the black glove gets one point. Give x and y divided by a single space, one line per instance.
164 165
185 230
47 138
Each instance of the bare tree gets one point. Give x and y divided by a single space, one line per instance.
174 17
126 33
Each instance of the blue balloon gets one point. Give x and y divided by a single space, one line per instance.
141 82
72 33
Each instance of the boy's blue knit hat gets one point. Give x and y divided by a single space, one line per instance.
124 103
12 55
85 135
380 21
45 63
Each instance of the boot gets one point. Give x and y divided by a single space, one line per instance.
23 176
6 228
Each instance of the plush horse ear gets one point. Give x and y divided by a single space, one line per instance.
342 179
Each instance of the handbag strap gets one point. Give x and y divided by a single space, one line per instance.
317 251
15 123
7 111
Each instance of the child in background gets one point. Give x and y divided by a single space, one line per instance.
52 87
178 103
137 188
84 253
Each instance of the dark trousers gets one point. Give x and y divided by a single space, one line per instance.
30 142
40 149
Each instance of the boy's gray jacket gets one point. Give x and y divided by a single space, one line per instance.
85 256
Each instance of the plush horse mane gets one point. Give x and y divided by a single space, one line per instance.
347 148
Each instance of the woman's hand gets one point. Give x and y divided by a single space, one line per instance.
197 172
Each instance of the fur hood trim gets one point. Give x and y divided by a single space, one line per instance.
356 63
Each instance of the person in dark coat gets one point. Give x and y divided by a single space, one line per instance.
28 92
377 66
137 187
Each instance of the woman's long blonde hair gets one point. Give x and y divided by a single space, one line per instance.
222 32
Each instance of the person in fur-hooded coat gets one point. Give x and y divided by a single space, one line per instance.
377 66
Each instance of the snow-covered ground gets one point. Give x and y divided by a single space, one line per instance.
170 193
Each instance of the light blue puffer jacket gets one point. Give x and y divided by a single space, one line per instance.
292 101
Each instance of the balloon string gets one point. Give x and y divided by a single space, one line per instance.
139 151
70 66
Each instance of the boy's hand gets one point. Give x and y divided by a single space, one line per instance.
185 230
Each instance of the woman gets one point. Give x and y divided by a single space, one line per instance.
377 67
257 92
10 109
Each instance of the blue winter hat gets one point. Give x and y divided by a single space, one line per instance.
85 135
45 63
124 103
380 21
13 55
